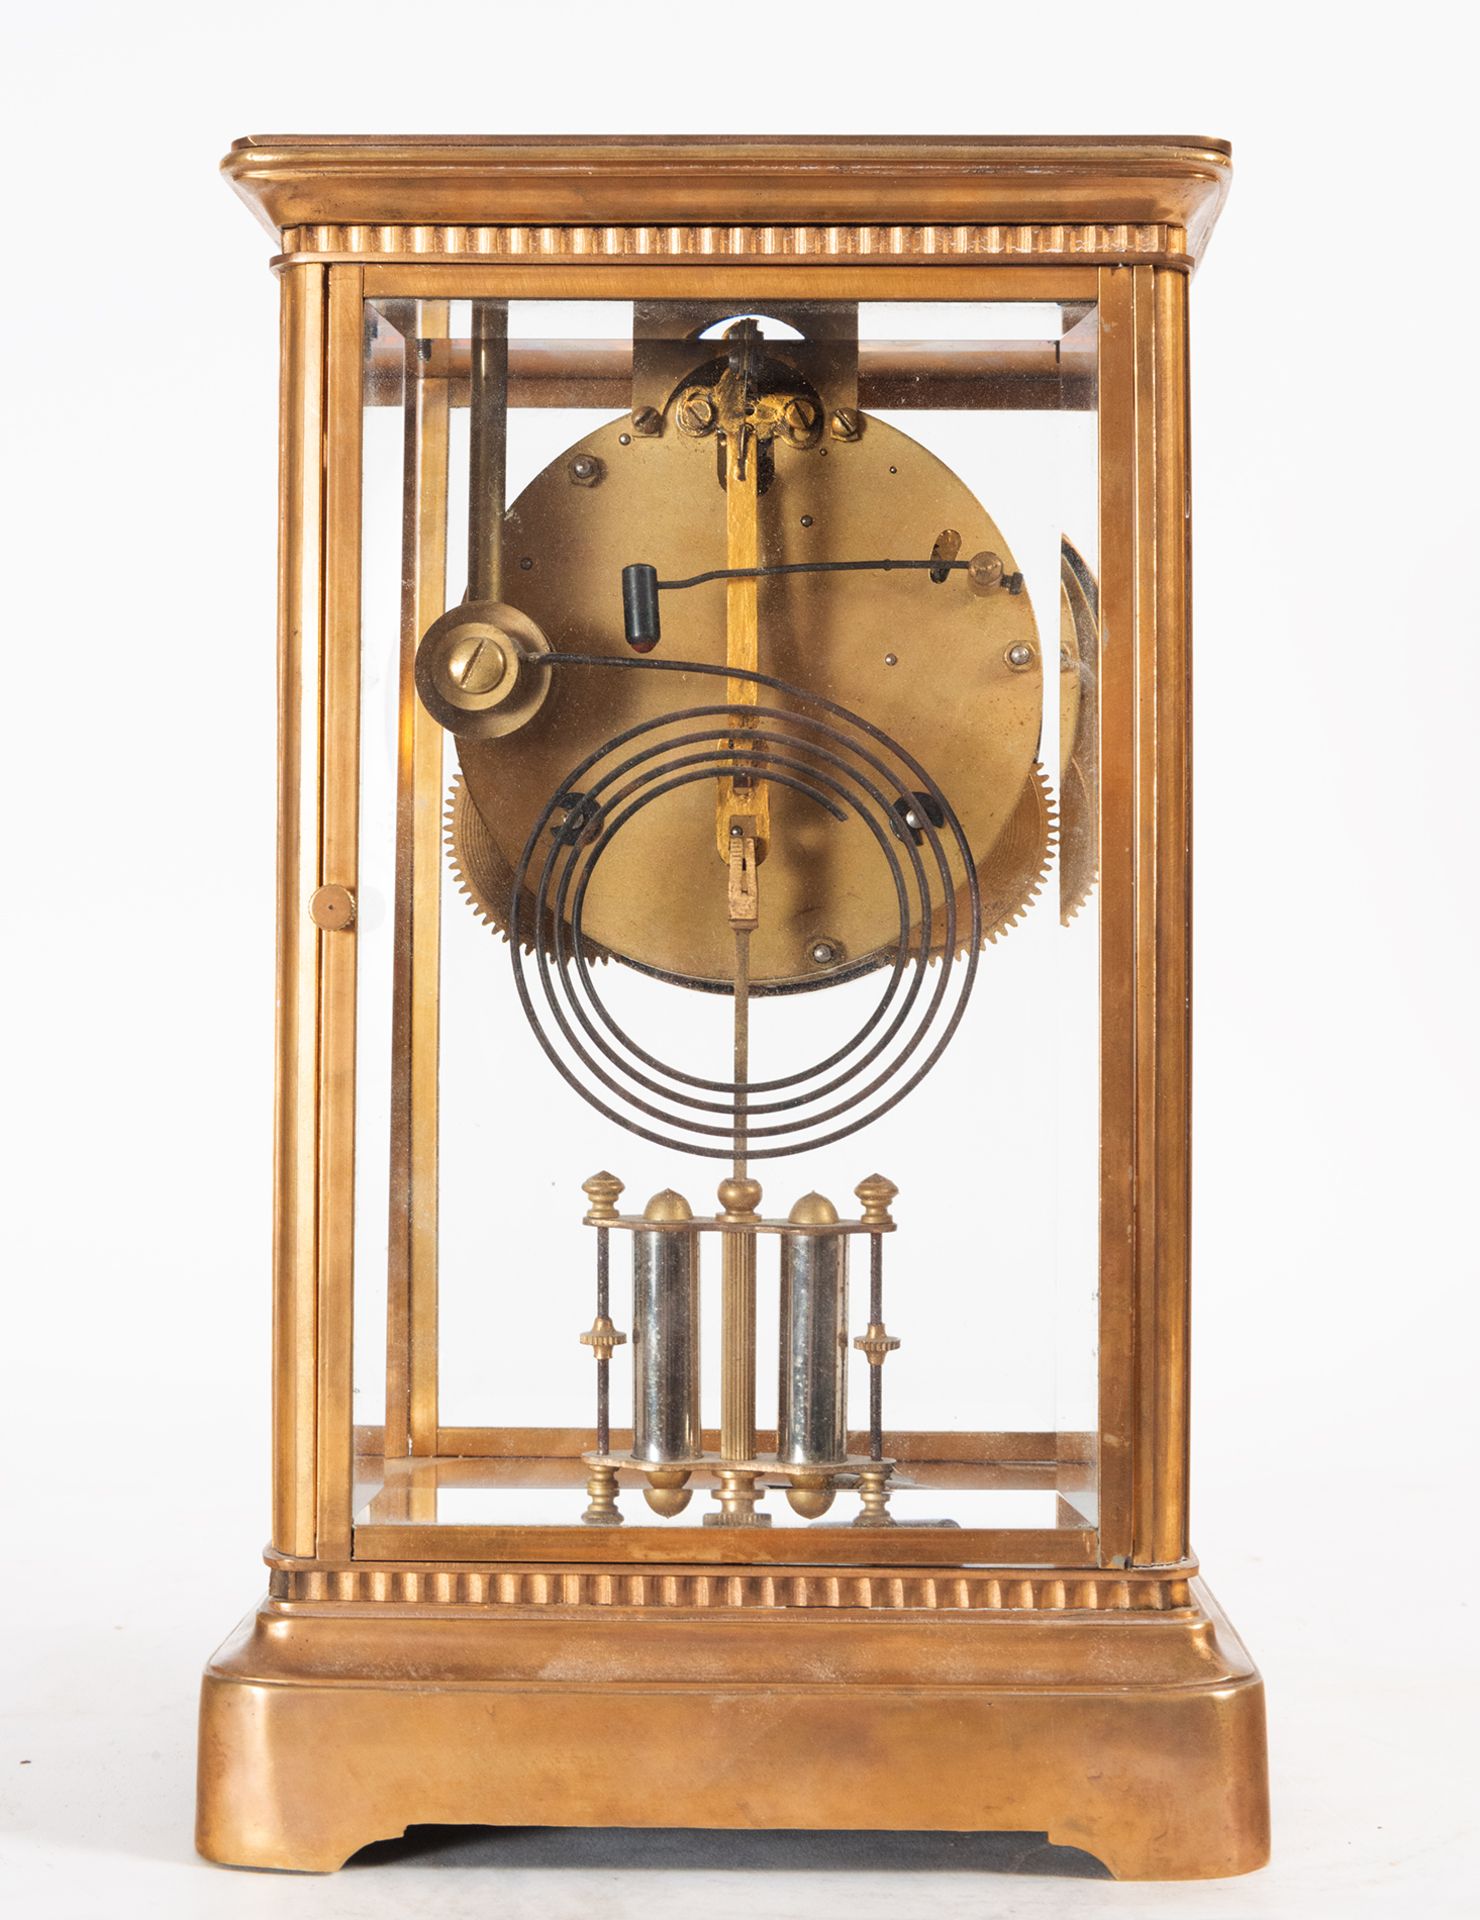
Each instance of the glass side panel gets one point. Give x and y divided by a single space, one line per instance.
729 813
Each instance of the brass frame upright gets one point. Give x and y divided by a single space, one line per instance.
411 1334
1146 916
295 1184
1078 1681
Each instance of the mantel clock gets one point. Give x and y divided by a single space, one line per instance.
731 1292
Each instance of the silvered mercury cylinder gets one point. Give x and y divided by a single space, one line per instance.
665 1335
812 1407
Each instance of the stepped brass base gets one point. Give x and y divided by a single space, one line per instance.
1132 1731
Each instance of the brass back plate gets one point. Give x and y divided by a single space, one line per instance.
926 662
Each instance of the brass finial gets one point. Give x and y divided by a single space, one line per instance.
601 1190
739 1197
814 1210
876 1192
668 1206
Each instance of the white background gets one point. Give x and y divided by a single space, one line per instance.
1336 694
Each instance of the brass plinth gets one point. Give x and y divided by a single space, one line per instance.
1132 1730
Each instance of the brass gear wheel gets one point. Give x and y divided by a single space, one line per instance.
1014 871
1018 864
483 874
1079 731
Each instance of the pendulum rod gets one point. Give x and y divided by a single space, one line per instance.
737 1386
741 1045
744 827
737 1382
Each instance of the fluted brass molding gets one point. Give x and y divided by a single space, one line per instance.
1151 240
693 1589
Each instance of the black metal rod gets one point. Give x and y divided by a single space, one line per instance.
813 566
603 1361
641 586
876 1374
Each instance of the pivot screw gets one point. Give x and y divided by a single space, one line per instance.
697 414
847 424
477 664
800 418
586 470
648 422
